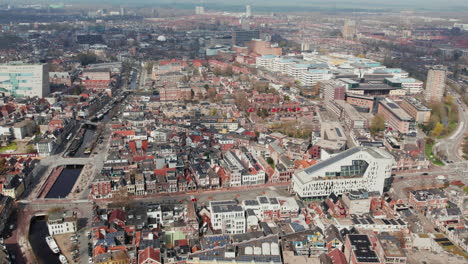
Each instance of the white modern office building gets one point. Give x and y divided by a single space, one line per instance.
21 80
357 168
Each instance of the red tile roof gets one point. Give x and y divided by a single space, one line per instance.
149 254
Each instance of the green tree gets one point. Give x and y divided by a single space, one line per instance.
86 58
377 124
437 130
270 162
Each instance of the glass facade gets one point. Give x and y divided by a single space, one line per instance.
357 168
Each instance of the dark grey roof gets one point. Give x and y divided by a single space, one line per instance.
330 161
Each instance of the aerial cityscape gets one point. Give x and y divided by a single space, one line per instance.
233 132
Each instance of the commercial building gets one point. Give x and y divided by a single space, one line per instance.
351 117
240 37
19 79
61 222
435 84
227 217
364 103
358 202
264 47
357 168
396 117
416 109
312 76
410 85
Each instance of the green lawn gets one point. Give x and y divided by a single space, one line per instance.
452 126
11 146
430 156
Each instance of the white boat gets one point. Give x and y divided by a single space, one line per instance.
52 244
63 259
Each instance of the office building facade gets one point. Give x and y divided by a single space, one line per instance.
240 37
24 80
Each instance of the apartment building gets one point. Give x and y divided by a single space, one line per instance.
227 217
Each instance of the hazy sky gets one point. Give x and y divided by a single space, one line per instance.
358 4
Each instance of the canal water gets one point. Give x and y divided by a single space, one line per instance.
37 234
65 182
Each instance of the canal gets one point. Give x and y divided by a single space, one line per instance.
37 234
87 140
65 182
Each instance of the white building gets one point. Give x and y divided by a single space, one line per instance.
61 222
199 10
356 168
248 11
228 217
312 76
20 79
410 85
46 147
153 211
